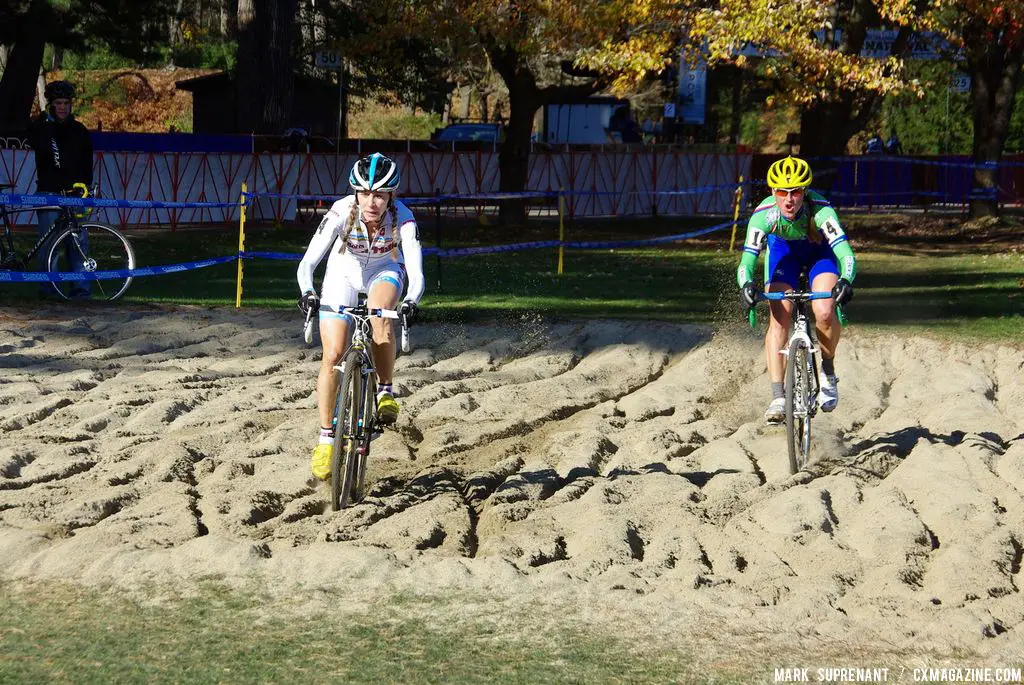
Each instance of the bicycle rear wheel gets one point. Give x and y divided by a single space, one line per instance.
91 248
798 405
346 431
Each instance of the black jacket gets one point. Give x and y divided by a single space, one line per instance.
63 153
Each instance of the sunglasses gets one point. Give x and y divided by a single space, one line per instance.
796 193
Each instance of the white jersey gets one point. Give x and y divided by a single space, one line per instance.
362 255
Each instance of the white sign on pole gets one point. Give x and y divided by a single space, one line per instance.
328 59
960 83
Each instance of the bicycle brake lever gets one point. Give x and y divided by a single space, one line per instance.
307 328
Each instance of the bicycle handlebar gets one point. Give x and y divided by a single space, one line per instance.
367 311
796 296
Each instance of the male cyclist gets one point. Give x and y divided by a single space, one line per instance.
63 154
802 232
374 248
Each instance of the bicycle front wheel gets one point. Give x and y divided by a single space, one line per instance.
346 431
368 426
90 248
798 405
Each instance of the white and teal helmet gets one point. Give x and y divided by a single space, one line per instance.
375 172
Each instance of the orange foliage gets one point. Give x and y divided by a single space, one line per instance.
140 101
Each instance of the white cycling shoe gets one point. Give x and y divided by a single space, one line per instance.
828 393
776 412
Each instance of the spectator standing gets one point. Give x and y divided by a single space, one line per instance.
893 146
63 155
875 146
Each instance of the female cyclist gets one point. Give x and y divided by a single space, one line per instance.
374 248
801 231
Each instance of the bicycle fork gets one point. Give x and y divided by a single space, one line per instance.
801 331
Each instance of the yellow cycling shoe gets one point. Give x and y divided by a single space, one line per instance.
387 408
321 464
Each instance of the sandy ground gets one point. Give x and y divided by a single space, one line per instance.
593 462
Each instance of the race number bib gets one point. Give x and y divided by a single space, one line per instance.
755 239
831 229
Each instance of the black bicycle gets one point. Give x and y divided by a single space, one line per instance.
355 409
74 245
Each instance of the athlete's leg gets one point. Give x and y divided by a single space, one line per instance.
824 274
778 332
825 317
334 337
384 292
781 272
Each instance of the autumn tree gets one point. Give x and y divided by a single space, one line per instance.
991 36
811 50
814 52
382 62
27 26
531 45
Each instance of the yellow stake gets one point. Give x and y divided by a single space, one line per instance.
241 248
561 234
736 213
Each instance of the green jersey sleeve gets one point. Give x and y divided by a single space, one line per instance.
757 234
827 221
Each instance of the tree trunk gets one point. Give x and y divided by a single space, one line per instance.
174 27
524 99
41 90
995 68
265 77
18 85
514 152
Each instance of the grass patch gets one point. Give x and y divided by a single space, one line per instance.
60 633
948 294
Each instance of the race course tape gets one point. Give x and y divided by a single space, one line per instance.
517 247
17 200
46 276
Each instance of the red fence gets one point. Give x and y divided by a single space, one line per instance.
599 182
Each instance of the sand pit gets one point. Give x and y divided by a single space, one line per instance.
616 461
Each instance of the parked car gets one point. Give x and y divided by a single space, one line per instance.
480 133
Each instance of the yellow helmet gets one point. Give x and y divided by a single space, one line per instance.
791 172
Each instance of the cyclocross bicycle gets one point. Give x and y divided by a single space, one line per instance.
74 245
802 384
355 410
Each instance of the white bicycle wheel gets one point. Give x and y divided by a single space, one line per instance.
798 405
91 248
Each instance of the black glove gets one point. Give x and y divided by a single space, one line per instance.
309 301
410 310
842 292
748 294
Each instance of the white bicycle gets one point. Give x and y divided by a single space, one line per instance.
802 385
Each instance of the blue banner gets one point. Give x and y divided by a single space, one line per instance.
693 89
20 200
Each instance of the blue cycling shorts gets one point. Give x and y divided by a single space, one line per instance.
787 258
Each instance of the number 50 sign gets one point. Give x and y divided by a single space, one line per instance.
328 59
